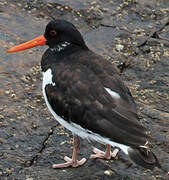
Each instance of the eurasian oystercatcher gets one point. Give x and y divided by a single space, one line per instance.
85 94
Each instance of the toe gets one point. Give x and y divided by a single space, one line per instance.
62 165
114 153
96 156
67 159
98 151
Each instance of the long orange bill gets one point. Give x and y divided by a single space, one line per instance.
39 41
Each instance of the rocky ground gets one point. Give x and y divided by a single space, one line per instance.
132 34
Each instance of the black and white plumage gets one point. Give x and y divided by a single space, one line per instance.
86 95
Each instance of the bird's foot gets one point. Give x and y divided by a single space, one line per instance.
103 155
69 163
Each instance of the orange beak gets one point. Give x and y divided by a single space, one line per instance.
39 41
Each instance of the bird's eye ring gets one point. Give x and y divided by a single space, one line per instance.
53 33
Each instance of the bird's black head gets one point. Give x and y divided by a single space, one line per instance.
61 36
62 33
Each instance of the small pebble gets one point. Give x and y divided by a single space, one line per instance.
108 172
119 47
62 143
16 146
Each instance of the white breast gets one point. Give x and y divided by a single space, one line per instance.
47 78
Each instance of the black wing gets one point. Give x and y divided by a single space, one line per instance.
79 96
109 76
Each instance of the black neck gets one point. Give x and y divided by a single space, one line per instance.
57 53
64 49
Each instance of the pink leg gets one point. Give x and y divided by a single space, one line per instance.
72 162
104 155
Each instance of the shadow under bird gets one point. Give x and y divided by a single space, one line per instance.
85 94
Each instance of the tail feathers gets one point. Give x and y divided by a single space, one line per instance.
144 157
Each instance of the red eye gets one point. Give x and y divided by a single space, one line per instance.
53 33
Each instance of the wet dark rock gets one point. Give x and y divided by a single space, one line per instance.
30 139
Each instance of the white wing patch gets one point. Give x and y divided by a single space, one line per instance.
112 93
75 128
